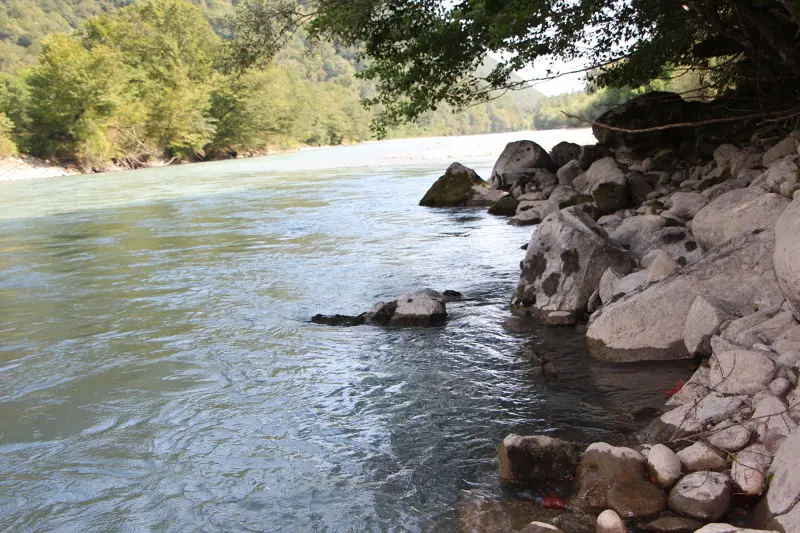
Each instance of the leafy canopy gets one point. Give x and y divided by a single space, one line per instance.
423 52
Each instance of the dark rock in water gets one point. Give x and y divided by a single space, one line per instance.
504 207
576 523
519 156
460 186
340 320
483 515
636 498
532 459
452 296
564 152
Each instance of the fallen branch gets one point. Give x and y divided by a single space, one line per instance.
775 115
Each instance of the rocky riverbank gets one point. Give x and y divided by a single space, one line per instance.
672 244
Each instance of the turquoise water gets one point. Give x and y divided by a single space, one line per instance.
158 371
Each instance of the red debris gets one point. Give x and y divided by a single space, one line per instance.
675 388
553 501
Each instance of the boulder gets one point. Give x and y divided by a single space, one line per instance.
787 255
606 183
530 213
564 152
727 528
765 326
646 111
565 259
610 522
640 187
771 418
736 159
460 186
519 156
704 496
730 437
706 316
694 389
567 174
424 308
629 283
646 233
685 205
563 196
673 524
785 147
618 474
662 265
784 488
648 325
736 214
781 178
531 181
607 282
664 466
692 418
591 153
749 469
701 457
735 370
504 207
535 458
780 386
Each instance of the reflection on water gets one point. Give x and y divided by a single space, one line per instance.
158 371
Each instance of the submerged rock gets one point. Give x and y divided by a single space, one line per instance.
673 524
504 207
460 186
340 320
423 308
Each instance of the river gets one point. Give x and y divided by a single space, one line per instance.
158 371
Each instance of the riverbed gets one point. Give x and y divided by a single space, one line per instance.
158 370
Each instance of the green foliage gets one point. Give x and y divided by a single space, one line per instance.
422 53
7 146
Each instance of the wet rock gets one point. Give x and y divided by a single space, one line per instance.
706 316
478 514
787 255
736 214
686 205
603 467
636 499
730 437
424 308
534 458
664 466
575 522
735 370
452 296
561 318
460 186
566 257
673 524
516 157
340 320
610 522
649 324
749 469
704 496
564 152
504 207
701 457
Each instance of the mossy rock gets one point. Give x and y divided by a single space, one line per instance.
454 189
504 207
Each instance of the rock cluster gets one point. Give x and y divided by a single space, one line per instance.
423 308
669 257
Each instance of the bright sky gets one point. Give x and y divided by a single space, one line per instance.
563 84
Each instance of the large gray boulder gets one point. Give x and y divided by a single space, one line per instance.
564 152
706 316
649 324
566 258
605 181
646 233
519 156
460 186
787 255
783 497
736 370
736 214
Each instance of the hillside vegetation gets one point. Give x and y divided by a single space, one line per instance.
93 82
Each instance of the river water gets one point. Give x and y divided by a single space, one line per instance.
158 371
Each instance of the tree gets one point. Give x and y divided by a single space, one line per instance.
423 52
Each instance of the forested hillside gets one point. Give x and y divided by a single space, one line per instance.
93 82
